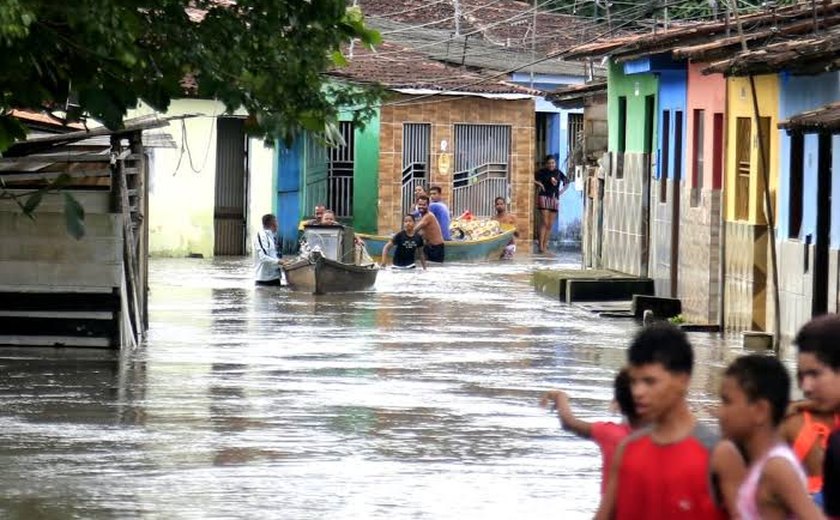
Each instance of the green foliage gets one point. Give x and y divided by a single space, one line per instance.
679 319
267 57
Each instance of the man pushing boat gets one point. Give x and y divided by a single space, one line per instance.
429 228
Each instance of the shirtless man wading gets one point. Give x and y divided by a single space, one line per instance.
430 229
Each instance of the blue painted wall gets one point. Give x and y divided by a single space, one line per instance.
287 202
672 97
798 94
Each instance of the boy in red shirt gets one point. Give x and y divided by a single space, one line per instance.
676 468
607 435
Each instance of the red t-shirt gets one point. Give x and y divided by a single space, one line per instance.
608 435
667 481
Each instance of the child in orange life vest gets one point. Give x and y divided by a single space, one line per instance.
607 435
806 430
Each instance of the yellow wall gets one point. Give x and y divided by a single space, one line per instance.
182 181
740 104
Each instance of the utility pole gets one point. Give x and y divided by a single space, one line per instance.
533 42
770 214
457 17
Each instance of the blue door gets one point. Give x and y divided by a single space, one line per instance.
289 162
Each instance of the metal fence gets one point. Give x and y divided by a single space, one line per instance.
415 161
340 173
316 174
482 157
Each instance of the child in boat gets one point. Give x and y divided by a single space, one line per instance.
408 246
755 394
607 435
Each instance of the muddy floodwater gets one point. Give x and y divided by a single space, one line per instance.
416 401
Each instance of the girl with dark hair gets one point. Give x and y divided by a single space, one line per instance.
548 181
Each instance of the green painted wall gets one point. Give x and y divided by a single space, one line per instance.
365 175
635 87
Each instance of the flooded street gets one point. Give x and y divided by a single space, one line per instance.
416 401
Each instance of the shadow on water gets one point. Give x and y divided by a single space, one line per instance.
416 400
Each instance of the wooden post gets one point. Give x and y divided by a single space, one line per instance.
139 183
129 250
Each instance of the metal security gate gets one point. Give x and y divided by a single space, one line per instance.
229 219
415 161
315 174
482 157
340 173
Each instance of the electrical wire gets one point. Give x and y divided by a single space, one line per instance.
534 62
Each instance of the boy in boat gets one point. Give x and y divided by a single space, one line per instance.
266 261
504 217
676 468
818 368
429 228
755 394
328 218
408 246
607 435
319 215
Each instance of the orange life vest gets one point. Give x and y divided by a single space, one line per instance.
808 436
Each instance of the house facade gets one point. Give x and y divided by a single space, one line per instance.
207 195
808 228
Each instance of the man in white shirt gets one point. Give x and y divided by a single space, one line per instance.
266 260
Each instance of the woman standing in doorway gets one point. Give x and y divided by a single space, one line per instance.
548 182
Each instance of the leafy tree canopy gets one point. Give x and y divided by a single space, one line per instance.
264 56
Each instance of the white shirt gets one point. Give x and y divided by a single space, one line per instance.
265 257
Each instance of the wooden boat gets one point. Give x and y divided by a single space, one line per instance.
319 268
488 248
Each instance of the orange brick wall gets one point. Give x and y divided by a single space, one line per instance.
443 112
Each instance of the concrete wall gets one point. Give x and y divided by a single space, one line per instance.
366 175
40 255
182 181
443 113
699 285
745 286
625 215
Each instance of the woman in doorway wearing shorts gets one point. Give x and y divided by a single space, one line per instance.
548 181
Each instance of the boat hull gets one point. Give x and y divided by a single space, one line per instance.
490 248
319 275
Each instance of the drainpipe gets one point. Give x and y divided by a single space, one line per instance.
768 203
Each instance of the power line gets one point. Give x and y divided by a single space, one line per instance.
540 60
411 10
448 18
456 38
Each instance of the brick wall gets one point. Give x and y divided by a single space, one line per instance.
443 112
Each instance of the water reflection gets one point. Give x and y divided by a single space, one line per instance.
415 401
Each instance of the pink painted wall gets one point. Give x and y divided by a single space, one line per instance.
706 93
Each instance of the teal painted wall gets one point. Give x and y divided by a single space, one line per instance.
619 84
365 174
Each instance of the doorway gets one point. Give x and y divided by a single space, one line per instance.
231 193
676 186
819 303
